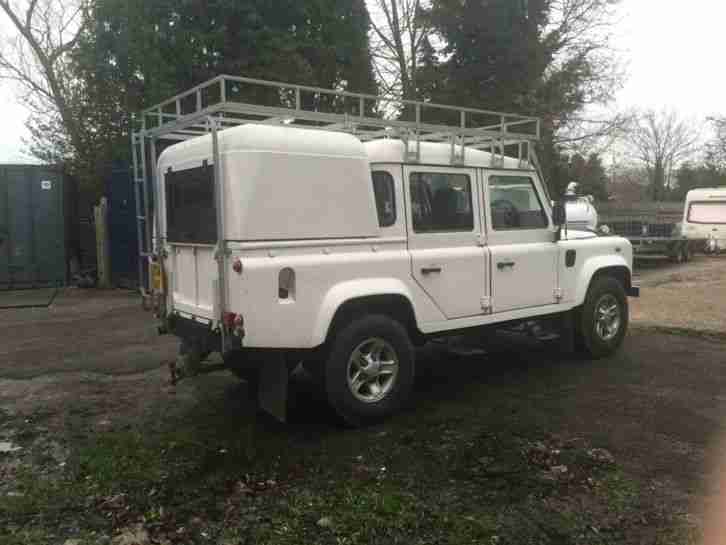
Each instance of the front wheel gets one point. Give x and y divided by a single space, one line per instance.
604 318
369 371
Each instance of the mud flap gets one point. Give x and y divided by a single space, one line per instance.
272 388
567 332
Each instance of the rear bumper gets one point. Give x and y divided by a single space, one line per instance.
189 329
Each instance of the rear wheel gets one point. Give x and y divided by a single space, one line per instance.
369 371
603 319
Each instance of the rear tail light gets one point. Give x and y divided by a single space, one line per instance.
234 322
237 265
228 318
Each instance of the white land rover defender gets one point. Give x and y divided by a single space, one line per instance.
345 245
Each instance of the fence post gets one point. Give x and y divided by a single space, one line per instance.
103 258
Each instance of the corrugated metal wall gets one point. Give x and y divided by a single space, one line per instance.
33 243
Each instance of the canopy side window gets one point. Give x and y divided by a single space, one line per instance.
190 211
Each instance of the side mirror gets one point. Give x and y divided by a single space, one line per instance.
559 214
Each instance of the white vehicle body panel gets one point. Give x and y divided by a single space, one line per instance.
303 201
266 173
704 216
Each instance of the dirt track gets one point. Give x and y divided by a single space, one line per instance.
92 363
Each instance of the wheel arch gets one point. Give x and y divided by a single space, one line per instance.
344 301
618 269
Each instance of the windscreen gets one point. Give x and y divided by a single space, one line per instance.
707 212
190 212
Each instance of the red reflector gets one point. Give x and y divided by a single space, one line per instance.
237 266
228 318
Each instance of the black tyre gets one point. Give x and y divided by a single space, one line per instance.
603 319
688 253
369 370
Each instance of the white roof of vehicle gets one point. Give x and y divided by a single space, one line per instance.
393 151
272 138
283 183
707 193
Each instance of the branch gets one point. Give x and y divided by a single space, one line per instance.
29 13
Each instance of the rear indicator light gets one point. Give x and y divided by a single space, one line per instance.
237 265
228 318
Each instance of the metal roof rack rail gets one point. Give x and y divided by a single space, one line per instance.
227 101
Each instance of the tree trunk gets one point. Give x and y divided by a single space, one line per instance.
658 180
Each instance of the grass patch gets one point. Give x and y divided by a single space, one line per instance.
461 473
442 484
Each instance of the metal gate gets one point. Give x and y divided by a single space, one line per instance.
32 227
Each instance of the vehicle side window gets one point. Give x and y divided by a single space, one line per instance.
515 203
385 197
441 202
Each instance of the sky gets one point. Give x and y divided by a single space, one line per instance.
673 52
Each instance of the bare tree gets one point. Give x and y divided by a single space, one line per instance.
593 133
399 36
716 148
37 58
661 140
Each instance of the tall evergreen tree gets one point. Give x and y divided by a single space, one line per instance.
139 52
534 57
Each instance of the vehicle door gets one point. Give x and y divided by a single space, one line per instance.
191 233
448 258
521 242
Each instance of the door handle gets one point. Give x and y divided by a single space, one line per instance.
431 270
505 264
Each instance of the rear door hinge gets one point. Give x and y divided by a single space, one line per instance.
486 305
558 294
481 240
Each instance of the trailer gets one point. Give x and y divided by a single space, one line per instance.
653 229
705 217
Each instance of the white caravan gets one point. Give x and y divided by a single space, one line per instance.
704 217
278 245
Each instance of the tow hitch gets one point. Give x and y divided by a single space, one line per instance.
270 389
190 362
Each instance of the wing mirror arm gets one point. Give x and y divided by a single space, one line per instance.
559 218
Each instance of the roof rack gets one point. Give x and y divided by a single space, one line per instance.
227 101
236 100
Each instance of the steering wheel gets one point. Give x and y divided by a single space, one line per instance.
509 211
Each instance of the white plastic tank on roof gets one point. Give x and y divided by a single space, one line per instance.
581 213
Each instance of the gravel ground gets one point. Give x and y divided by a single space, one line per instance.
690 296
91 368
